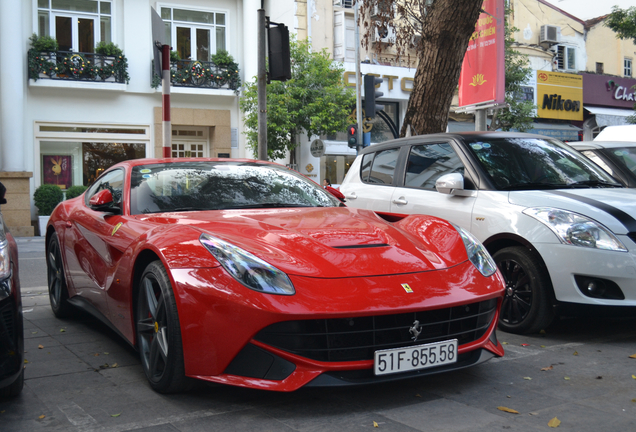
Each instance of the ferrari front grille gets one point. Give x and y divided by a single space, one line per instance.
357 338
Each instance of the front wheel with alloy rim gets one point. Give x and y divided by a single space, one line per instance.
526 307
158 331
58 292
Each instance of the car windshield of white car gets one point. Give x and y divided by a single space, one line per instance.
195 186
624 156
532 163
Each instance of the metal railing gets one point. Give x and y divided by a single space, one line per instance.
202 74
77 66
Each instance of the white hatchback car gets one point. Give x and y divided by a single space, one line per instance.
561 229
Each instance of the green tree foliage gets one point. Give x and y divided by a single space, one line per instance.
623 23
518 114
314 101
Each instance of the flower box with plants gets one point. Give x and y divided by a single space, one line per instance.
221 72
107 64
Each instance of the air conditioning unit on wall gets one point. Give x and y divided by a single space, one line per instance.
550 34
384 34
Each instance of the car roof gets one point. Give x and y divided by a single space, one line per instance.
151 161
594 145
458 136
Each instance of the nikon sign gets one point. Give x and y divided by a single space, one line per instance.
559 96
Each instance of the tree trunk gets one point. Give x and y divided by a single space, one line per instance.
446 31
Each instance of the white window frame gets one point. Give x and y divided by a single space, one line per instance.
562 53
79 137
194 25
188 140
628 65
74 15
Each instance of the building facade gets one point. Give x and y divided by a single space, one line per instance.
69 113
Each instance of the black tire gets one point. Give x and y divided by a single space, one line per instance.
58 292
13 389
159 332
526 307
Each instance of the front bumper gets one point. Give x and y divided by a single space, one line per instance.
571 266
11 335
221 320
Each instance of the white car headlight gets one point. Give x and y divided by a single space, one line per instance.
477 253
576 229
249 270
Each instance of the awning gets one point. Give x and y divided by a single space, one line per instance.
610 116
560 131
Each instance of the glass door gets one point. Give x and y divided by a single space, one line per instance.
189 149
75 33
193 43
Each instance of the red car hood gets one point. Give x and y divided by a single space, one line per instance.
332 242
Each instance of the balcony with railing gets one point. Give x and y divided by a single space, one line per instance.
77 66
201 75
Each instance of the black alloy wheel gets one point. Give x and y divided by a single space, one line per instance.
159 333
526 306
58 292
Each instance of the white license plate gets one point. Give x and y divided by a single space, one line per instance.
415 357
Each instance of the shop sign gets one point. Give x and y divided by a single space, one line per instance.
317 148
559 96
406 83
482 78
609 91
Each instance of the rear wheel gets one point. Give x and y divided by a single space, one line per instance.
526 306
159 333
58 292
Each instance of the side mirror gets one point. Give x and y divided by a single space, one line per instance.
335 192
103 201
450 183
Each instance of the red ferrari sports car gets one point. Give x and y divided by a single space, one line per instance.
247 273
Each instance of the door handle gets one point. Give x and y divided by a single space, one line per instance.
400 201
351 196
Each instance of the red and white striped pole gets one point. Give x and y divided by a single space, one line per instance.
166 125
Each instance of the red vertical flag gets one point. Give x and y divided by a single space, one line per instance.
482 79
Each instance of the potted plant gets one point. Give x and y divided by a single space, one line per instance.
46 197
75 191
119 65
42 56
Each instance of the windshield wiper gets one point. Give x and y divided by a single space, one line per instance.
266 205
593 183
532 186
179 209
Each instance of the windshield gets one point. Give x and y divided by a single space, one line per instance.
625 156
191 186
534 163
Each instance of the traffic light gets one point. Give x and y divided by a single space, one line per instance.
370 95
279 58
352 135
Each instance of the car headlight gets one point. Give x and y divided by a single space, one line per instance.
249 270
575 229
5 257
477 253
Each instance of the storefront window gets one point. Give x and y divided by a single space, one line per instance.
334 168
69 164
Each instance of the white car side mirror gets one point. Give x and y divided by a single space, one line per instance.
450 183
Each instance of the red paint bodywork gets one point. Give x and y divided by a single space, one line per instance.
219 316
